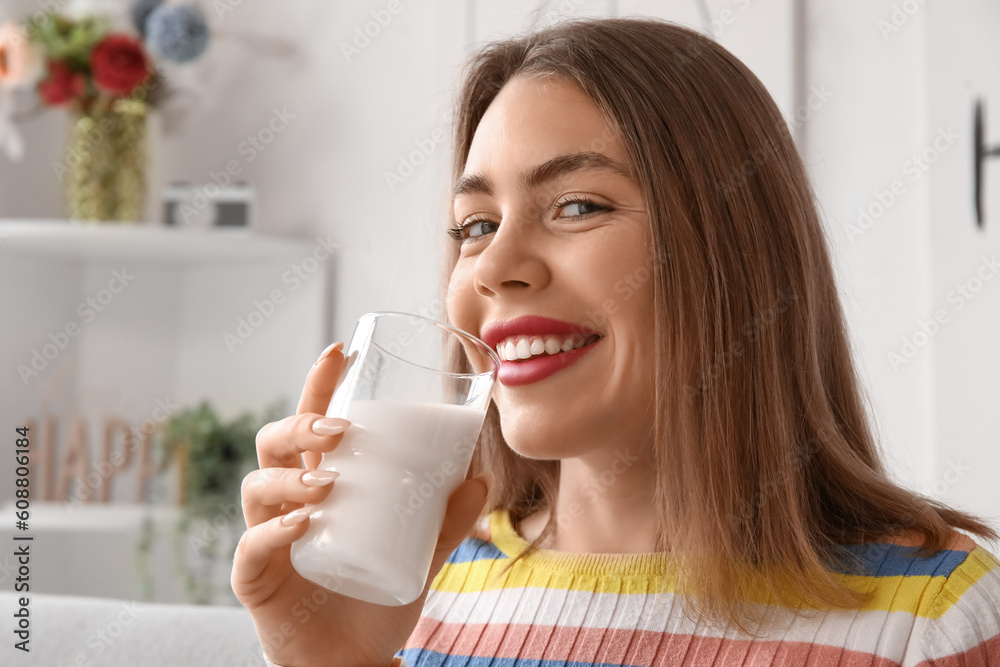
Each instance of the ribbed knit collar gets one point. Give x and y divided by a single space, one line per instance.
511 543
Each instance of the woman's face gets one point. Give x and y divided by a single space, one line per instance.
555 266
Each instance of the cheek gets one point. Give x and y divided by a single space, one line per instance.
460 301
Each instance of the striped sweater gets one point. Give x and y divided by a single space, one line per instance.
570 610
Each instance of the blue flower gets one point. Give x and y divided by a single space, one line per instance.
177 33
141 11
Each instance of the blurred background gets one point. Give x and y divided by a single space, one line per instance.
294 160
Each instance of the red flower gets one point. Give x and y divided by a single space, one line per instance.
61 85
119 64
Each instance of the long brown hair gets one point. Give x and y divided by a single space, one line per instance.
765 460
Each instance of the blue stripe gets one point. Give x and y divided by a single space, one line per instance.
419 657
876 560
893 560
472 549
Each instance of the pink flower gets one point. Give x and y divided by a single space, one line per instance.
119 64
21 62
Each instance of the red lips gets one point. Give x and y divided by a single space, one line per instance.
529 371
530 325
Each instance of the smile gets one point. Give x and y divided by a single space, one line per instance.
519 348
532 348
537 368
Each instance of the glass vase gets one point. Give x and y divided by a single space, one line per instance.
106 162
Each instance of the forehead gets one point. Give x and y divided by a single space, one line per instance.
533 119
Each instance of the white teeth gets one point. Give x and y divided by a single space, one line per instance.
552 345
526 347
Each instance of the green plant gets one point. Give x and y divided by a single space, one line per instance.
65 39
214 453
213 456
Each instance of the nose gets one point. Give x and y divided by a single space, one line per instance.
513 260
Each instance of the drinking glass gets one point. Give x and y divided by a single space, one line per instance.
416 392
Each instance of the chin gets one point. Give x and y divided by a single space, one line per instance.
533 443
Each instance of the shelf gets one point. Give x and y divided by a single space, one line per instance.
157 243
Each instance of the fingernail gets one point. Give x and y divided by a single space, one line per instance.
330 426
319 477
326 353
296 516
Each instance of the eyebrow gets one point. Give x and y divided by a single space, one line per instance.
544 172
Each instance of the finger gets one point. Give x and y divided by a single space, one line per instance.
285 443
269 492
322 380
259 544
464 507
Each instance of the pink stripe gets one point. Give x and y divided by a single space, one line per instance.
634 647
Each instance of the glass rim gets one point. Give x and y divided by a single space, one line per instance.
443 325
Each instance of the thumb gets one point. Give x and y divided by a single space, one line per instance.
464 507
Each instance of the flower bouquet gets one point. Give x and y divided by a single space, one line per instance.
107 80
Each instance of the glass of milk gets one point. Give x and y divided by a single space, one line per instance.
415 391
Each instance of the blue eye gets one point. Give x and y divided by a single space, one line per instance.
477 228
473 229
582 207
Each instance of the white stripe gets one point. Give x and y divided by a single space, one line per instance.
877 632
972 619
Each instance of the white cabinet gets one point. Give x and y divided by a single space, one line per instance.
132 323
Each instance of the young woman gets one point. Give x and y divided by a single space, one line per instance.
690 479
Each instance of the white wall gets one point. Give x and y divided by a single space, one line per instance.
854 150
904 77
966 361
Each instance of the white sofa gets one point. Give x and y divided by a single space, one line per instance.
74 631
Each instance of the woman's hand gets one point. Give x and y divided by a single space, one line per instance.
299 623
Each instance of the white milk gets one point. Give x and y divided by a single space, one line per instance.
374 536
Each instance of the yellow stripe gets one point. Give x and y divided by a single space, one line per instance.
914 594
